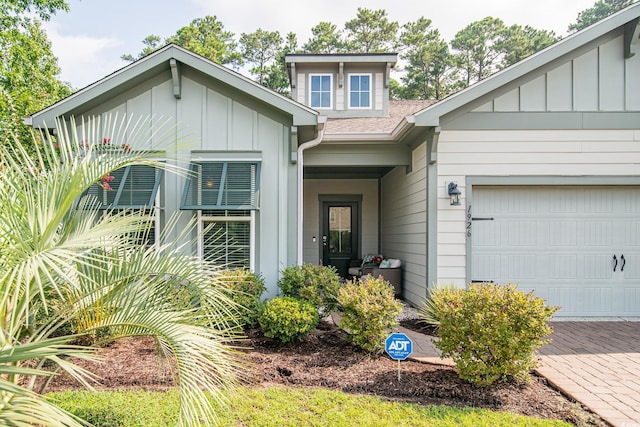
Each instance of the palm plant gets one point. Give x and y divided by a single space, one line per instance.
61 256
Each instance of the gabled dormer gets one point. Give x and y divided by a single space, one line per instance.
342 85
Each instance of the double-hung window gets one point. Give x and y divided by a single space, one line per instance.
225 197
320 92
360 91
133 187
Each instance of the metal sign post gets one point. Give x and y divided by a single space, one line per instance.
398 346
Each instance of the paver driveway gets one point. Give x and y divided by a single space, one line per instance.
598 364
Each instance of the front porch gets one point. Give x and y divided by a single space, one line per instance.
350 212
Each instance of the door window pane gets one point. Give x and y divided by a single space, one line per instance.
340 229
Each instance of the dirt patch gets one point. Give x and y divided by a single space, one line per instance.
327 359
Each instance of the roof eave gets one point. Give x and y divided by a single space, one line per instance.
301 114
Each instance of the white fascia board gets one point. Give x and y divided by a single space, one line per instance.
430 116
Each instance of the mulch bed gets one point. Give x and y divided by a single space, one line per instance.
327 359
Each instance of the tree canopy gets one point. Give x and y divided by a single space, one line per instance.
430 66
601 9
28 77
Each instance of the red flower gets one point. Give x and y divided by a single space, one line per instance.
106 179
106 140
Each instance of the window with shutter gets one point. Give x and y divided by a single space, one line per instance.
132 187
222 185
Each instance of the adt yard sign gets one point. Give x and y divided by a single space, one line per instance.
398 346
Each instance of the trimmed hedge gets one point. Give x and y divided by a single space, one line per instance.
316 284
288 319
370 310
490 331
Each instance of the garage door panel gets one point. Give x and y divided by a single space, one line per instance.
561 266
521 267
631 267
486 267
597 301
488 235
520 233
598 201
631 301
598 233
562 233
560 242
560 201
598 266
632 233
631 205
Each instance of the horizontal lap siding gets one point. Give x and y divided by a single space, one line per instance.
403 223
519 153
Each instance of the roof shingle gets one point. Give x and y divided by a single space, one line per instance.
398 110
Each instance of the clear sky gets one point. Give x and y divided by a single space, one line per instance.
89 40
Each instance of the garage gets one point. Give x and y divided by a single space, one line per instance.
576 247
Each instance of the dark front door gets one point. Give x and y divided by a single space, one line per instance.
340 234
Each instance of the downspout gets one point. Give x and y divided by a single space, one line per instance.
309 144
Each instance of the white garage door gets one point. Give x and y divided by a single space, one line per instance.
576 247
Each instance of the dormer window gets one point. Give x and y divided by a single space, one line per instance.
320 91
360 91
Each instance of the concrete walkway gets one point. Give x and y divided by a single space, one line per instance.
595 363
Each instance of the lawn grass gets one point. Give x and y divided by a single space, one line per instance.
282 407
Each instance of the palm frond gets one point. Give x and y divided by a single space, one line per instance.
87 268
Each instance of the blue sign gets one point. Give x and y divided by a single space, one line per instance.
398 346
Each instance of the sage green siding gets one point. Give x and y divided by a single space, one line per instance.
599 79
403 223
211 121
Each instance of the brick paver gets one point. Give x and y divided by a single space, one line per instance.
597 364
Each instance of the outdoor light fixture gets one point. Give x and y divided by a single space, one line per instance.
454 194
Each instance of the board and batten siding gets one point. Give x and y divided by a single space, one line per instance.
214 122
600 79
519 153
403 223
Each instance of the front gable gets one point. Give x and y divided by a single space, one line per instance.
590 80
168 74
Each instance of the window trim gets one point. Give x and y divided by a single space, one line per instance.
311 76
370 75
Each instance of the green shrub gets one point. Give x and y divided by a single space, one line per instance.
370 310
490 331
246 289
288 319
317 284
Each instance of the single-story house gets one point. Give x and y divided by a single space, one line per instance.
531 176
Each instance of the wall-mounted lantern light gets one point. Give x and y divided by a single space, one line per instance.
454 194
